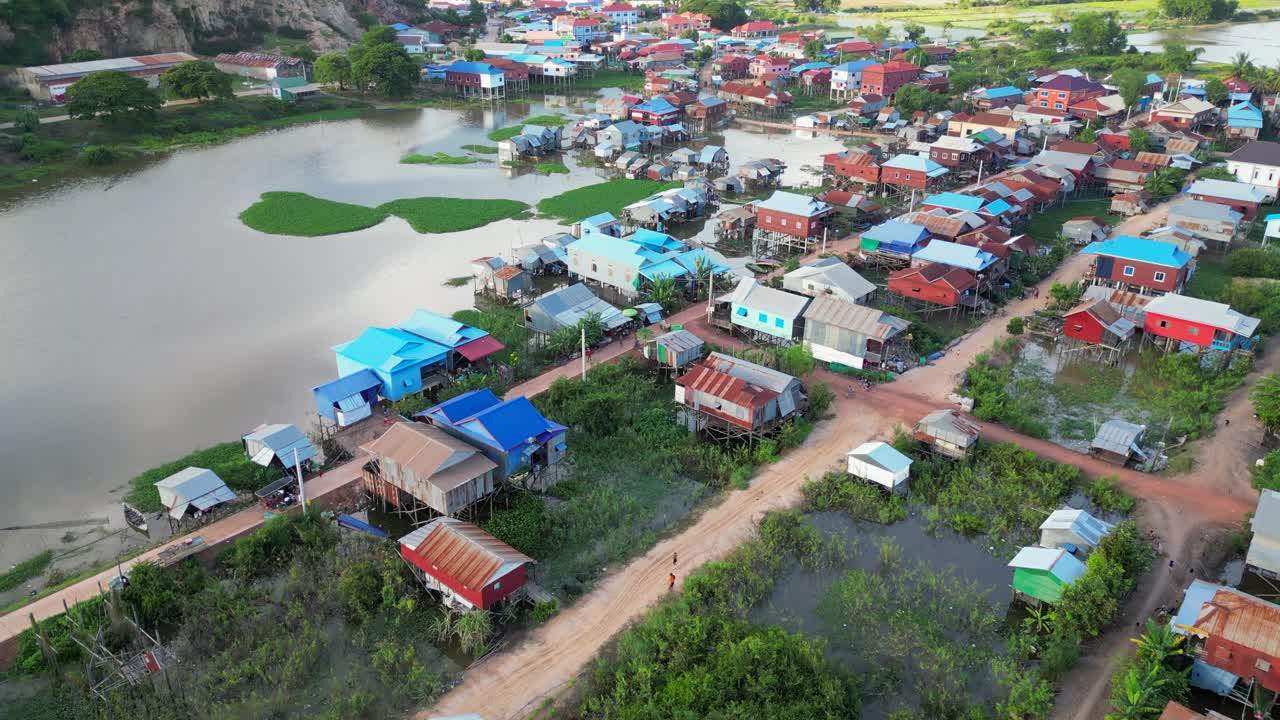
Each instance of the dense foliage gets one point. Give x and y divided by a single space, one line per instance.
196 79
1151 678
446 215
1199 11
300 214
112 95
610 196
227 460
695 657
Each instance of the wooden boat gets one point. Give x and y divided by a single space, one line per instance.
135 519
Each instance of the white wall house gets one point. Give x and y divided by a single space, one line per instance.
881 464
1258 163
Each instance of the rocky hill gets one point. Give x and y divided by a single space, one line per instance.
36 31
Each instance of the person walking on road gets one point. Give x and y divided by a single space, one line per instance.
675 557
671 582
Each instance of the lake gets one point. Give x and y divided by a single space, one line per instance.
1220 42
143 320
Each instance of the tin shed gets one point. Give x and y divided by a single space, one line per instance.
881 464
1041 574
429 465
1117 440
1075 527
676 349
469 567
946 433
193 488
276 443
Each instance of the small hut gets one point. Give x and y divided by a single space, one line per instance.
881 464
675 350
1041 574
270 445
1131 203
946 433
1071 527
511 282
195 490
1118 441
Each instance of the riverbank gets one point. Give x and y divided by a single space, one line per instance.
63 149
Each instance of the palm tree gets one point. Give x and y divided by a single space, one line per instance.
1241 65
1164 182
1041 620
1137 697
663 291
1158 643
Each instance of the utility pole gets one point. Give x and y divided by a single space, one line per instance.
584 353
824 239
981 163
302 490
711 284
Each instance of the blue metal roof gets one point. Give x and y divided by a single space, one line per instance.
478 68
599 220
997 206
609 247
809 66
955 201
357 383
1153 78
656 240
854 65
456 409
896 231
1244 115
656 105
511 423
399 26
1272 216
999 92
391 349
1140 249
917 163
955 255
440 329
357 524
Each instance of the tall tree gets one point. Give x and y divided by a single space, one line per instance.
724 14
877 33
333 69
112 95
1178 58
1241 65
197 79
386 69
84 55
913 31
1095 33
1215 91
1131 83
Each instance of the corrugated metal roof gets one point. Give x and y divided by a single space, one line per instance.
793 204
1242 619
434 456
463 552
679 340
570 304
1210 313
512 423
1056 562
200 487
705 379
882 455
1088 527
955 255
859 319
1118 436
1140 249
949 426
1228 189
1204 210
751 372
757 296
832 272
280 440
344 387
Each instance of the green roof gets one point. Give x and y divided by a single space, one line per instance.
1039 584
290 82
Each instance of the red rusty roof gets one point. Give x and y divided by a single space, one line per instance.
705 379
463 552
1243 620
253 59
164 58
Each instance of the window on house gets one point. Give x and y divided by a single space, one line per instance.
897 174
1044 103
1163 323
778 322
497 585
742 312
594 268
784 222
1128 271
1077 326
1193 330
762 317
768 219
1057 106
1159 277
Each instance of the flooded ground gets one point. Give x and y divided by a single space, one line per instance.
1220 42
971 586
144 320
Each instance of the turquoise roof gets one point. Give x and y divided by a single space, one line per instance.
391 349
955 201
1244 115
897 231
440 329
999 92
611 248
1140 249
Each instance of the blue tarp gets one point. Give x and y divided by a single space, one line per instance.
347 521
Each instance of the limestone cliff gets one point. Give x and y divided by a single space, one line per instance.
205 26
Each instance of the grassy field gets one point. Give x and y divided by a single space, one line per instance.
609 196
439 158
552 168
445 215
610 79
507 133
1047 225
227 460
482 149
299 214
25 570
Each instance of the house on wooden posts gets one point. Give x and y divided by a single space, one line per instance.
404 363
1097 322
275 445
935 284
1194 325
857 336
857 168
762 173
1186 114
1241 197
476 80
1263 557
1084 230
829 277
788 222
911 172
1118 441
193 491
675 350
1041 574
946 433
733 396
511 433
1236 633
960 153
568 306
655 112
895 239
772 315
413 465
470 568
1209 220
881 464
1139 265
986 267
349 399
1074 528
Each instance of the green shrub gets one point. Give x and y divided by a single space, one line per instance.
860 499
1014 326
26 570
545 610
611 196
446 215
227 460
272 544
439 158
1106 494
37 149
299 214
524 526
99 155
